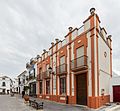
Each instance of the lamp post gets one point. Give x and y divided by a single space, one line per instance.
50 70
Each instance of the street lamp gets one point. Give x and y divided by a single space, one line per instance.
50 70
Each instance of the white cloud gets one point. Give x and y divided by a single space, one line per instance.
29 26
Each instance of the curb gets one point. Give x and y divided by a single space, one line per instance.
113 109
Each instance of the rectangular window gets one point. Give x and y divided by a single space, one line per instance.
63 86
19 82
80 56
62 60
41 87
80 51
3 78
62 67
23 81
48 87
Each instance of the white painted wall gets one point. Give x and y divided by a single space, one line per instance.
54 48
104 66
72 83
72 75
72 49
104 79
89 64
104 62
54 77
68 72
7 84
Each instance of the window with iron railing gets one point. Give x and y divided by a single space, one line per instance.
62 68
79 62
46 74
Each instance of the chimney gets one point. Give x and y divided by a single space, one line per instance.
109 40
109 37
70 29
44 50
92 11
52 43
57 40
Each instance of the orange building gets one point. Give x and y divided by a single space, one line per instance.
78 69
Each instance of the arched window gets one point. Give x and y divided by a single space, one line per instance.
3 84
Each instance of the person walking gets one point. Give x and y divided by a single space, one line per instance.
23 93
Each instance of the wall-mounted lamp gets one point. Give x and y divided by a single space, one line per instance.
50 70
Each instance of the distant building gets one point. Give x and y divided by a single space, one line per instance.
78 69
31 76
15 85
5 85
21 81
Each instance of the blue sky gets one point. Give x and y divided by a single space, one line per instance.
28 26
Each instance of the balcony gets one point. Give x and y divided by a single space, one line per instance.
40 77
79 63
46 75
28 65
62 69
31 77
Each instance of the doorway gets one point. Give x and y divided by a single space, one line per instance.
116 93
81 89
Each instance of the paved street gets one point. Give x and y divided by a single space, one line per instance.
15 103
8 103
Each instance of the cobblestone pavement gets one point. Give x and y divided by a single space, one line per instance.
16 103
8 103
53 106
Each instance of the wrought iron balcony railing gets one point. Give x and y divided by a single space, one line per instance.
46 74
62 69
31 77
79 63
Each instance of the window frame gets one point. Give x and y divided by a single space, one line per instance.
3 84
40 87
47 86
63 86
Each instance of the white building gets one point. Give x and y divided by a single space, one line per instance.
21 81
5 85
31 76
15 85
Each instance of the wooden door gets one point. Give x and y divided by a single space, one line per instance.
81 89
116 93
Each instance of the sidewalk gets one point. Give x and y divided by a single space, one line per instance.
16 103
54 106
8 103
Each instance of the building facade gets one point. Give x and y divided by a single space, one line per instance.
5 85
78 69
31 75
21 81
15 85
